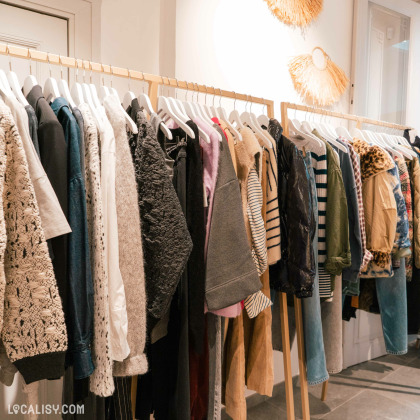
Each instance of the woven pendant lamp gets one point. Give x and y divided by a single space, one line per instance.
295 12
321 86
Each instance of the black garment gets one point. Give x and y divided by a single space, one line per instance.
165 390
118 406
295 272
53 153
33 127
166 241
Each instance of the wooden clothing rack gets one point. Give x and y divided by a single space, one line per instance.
285 106
154 81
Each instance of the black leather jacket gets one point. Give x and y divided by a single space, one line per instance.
295 272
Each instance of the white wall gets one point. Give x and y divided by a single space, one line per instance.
129 37
239 45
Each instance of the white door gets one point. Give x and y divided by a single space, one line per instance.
386 83
44 32
33 30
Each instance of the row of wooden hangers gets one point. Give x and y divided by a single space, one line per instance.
169 108
395 144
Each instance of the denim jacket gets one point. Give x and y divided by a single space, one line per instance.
80 294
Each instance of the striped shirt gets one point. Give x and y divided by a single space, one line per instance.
273 213
256 222
367 255
319 164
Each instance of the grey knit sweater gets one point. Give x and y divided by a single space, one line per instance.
130 244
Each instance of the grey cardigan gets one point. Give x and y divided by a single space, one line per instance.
231 275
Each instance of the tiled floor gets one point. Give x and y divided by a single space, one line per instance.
384 388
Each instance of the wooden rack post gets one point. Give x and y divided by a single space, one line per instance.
154 81
285 106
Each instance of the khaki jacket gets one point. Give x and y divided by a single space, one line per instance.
414 168
379 205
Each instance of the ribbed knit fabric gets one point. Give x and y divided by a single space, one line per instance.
319 163
258 234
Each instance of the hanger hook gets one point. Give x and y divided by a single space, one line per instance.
198 91
112 73
205 95
30 61
163 84
220 98
250 105
10 58
177 87
76 75
143 82
214 94
234 101
90 73
129 78
61 66
186 91
49 64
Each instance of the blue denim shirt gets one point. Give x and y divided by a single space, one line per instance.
80 296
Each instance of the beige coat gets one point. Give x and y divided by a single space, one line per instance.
378 203
414 168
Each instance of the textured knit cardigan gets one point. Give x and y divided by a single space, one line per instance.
101 382
166 241
130 244
32 326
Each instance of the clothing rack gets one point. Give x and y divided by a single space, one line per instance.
154 81
285 106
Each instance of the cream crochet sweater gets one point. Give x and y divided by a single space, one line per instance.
32 326
101 382
130 244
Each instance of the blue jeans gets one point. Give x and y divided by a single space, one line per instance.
311 307
392 298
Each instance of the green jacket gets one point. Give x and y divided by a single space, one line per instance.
337 222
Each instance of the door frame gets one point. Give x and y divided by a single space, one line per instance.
360 56
83 23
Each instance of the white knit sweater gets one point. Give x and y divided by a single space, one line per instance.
130 244
101 382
